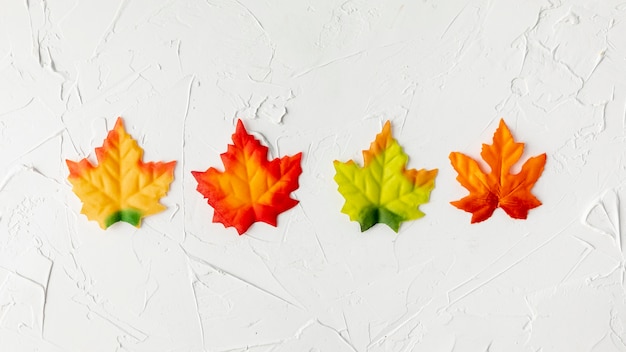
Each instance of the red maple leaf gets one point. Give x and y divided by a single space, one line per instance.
252 188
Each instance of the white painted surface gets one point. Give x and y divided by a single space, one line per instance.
180 72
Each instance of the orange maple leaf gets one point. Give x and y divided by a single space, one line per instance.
499 188
252 188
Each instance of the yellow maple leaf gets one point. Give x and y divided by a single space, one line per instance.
383 190
121 187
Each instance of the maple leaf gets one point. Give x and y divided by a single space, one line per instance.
122 187
383 191
499 188
252 188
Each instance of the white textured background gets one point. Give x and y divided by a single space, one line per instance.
319 77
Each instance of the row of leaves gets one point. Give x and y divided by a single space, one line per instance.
121 187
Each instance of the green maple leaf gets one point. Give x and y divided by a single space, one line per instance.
383 190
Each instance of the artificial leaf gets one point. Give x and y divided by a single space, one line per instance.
499 188
383 190
121 187
252 188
